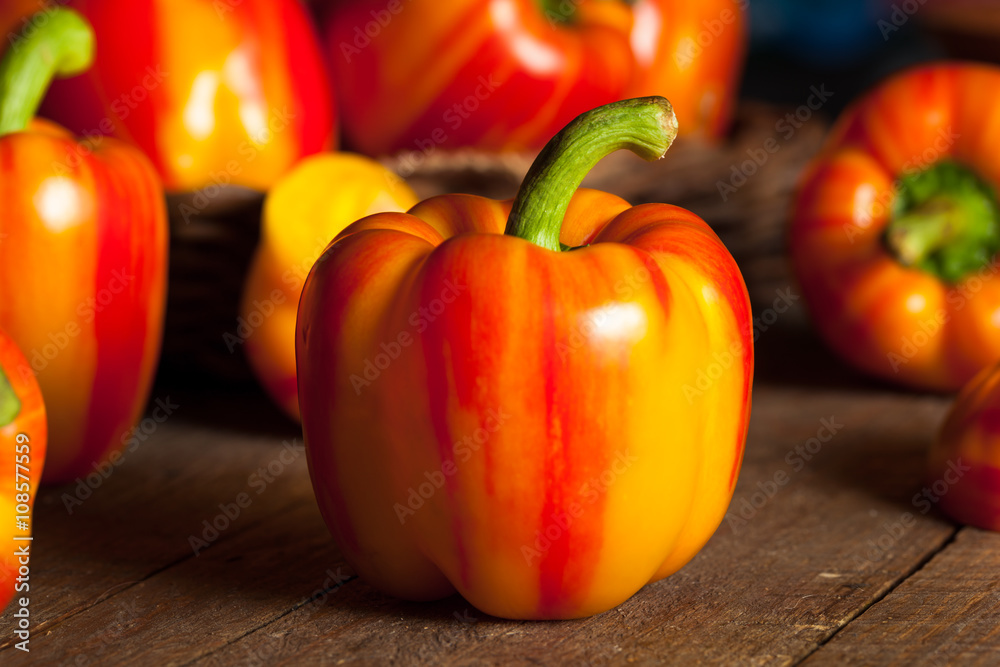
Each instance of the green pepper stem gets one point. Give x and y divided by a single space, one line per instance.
55 42
565 11
646 126
916 235
945 221
10 404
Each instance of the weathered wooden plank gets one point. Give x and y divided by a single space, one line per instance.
772 585
201 603
946 613
122 528
816 533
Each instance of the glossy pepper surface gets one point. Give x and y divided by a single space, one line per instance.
23 437
416 75
213 92
895 228
83 249
306 209
490 413
964 470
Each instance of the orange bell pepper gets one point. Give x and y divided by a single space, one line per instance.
964 468
23 438
895 229
488 413
214 93
83 256
418 74
306 209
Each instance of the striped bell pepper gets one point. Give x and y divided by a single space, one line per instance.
215 92
83 252
419 75
23 438
502 398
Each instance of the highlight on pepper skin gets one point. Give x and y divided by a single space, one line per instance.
524 374
209 91
896 227
83 261
523 69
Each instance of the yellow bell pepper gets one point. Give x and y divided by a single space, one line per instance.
302 214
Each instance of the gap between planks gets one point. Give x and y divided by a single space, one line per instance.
899 581
277 617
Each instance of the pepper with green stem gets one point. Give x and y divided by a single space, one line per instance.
543 431
83 250
895 229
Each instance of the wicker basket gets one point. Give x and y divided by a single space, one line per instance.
214 233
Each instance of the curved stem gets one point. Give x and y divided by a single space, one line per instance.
916 235
10 404
57 42
646 126
946 222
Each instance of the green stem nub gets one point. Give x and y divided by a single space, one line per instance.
10 404
646 126
53 43
918 234
945 221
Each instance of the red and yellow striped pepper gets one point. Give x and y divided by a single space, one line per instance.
83 251
23 438
896 228
501 398
213 91
964 463
418 75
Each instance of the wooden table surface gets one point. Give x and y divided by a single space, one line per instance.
828 554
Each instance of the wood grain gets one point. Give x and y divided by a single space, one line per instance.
947 613
769 589
823 526
136 521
